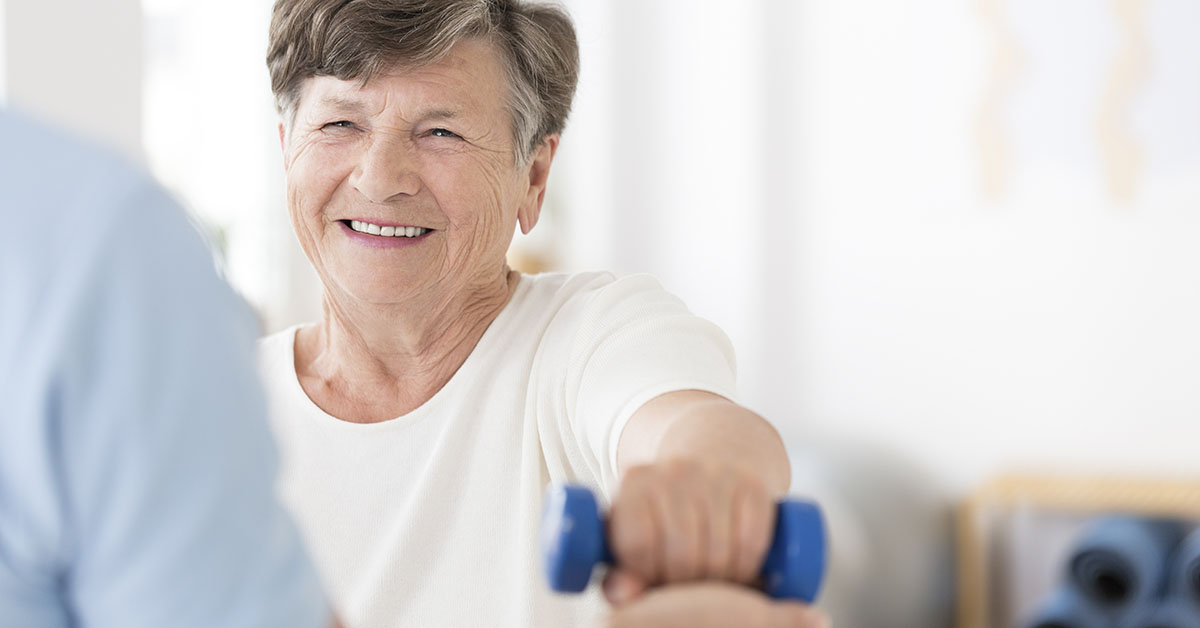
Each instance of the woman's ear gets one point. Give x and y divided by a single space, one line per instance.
539 174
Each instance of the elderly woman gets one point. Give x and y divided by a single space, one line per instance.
423 415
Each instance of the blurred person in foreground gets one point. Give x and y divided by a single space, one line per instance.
421 418
136 465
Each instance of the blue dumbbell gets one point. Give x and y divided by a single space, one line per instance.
573 542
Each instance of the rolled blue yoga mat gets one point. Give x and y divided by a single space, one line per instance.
1180 608
1120 564
1185 574
1171 612
1065 608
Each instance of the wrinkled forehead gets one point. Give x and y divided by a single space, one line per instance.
469 77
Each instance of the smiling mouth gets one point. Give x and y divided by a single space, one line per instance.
386 232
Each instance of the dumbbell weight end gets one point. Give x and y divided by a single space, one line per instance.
574 541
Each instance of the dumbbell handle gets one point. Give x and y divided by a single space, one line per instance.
573 542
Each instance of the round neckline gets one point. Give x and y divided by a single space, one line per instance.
488 338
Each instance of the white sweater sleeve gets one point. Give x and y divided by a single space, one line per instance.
624 342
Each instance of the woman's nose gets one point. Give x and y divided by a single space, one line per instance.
387 170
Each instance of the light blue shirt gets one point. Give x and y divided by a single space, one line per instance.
136 466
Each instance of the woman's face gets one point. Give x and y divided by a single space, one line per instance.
427 152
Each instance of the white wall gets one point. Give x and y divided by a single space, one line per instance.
78 63
1051 327
811 175
947 243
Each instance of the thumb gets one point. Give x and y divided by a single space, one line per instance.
712 605
794 615
621 586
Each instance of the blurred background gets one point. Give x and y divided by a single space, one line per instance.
950 239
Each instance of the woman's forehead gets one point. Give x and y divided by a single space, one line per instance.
469 78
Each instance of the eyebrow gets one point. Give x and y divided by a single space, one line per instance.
439 114
340 103
337 102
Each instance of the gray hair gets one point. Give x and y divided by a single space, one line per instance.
357 39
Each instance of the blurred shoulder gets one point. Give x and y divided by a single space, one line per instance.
66 198
44 167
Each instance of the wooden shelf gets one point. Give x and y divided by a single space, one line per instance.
1168 498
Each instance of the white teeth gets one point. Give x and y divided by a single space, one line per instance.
398 232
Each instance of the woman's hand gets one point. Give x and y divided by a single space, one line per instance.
713 605
684 520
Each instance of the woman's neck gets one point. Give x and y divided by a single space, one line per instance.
366 363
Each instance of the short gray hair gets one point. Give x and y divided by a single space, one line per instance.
357 39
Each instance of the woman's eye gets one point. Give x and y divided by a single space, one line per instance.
442 133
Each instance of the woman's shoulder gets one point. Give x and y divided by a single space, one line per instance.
558 282
602 299
566 286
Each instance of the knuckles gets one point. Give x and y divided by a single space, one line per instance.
685 519
633 540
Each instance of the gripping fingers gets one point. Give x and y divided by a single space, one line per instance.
754 520
720 518
682 521
681 533
636 537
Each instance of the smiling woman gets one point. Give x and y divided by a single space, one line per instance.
201 100
427 149
422 415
